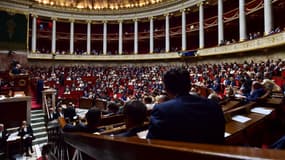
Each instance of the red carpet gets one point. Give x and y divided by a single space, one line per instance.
34 103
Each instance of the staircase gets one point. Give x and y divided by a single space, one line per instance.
39 128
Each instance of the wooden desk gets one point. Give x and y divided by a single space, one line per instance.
14 110
14 146
241 133
230 105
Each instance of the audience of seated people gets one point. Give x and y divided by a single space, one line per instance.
130 81
127 83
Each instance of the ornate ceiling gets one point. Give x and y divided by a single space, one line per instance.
101 4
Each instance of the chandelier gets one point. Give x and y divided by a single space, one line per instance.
100 4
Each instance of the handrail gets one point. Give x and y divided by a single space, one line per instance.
129 148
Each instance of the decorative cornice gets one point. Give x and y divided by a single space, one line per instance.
45 11
260 43
135 57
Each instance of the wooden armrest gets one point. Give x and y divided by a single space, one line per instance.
245 109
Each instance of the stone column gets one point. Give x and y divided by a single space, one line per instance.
151 35
220 22
34 34
167 47
120 37
135 36
105 37
183 16
242 21
53 39
88 50
268 21
71 40
201 26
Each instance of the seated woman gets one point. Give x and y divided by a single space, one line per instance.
27 135
93 117
135 114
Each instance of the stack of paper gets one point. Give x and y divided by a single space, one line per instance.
240 118
261 110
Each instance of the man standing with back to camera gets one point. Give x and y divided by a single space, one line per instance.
186 117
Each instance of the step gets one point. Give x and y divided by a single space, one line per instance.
37 119
37 111
39 129
37 124
40 140
40 134
38 114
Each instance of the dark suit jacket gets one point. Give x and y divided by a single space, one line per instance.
69 112
29 131
256 94
3 139
188 118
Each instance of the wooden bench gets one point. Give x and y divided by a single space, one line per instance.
130 148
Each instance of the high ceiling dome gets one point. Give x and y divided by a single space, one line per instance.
101 4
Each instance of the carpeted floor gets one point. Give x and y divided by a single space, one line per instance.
34 103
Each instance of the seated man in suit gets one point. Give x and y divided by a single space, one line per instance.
3 137
186 117
135 115
69 112
93 117
27 135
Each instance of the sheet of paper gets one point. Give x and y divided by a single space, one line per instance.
13 136
227 134
142 134
261 110
240 118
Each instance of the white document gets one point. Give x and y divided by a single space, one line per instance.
240 118
261 110
226 134
13 136
142 134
